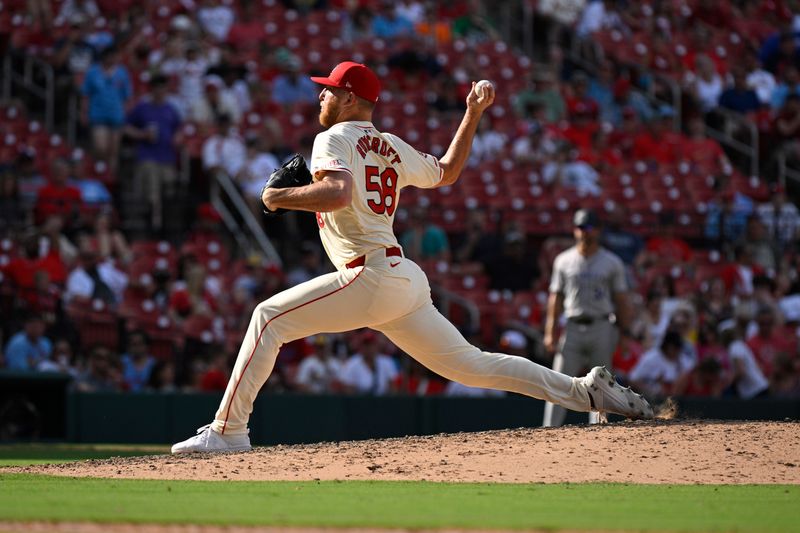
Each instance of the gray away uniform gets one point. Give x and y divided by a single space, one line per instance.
588 285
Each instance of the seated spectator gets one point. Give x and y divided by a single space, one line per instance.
747 379
137 362
785 381
94 193
62 359
28 348
318 372
162 377
625 135
61 253
388 24
487 144
78 8
788 83
739 97
602 155
759 79
703 152
58 197
424 240
579 102
368 371
780 218
716 302
770 342
216 375
192 86
625 99
787 128
536 147
514 269
659 369
542 90
261 162
601 15
215 103
358 26
248 30
601 90
738 276
663 247
683 321
704 84
110 242
659 142
764 248
706 379
155 124
224 151
726 221
192 296
216 19
656 319
566 171
102 373
106 88
94 278
290 87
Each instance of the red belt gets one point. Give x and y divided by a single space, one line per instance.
394 251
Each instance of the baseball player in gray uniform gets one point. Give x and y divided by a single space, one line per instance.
588 285
359 173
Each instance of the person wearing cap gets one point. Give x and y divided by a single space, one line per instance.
358 173
589 287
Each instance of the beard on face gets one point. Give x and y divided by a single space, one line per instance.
328 114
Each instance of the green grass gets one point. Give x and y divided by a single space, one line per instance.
30 454
691 508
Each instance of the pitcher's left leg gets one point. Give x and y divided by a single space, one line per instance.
432 340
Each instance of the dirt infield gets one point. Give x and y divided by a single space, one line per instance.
635 452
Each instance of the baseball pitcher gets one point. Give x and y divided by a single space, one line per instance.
358 174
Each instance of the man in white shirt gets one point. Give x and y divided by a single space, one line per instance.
225 149
659 368
216 19
368 371
319 369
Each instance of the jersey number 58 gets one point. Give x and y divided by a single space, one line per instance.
385 184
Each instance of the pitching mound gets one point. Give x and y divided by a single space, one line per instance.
636 452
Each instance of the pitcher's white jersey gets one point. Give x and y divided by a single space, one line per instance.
381 164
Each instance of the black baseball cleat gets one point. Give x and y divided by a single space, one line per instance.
608 396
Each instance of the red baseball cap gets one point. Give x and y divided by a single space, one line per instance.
354 77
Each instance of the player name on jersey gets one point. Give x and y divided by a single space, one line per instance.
368 143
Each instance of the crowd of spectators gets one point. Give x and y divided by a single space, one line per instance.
708 248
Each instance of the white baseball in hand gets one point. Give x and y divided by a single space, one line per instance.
482 87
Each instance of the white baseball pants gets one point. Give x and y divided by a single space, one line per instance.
391 295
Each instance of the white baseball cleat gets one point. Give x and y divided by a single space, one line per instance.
608 396
208 440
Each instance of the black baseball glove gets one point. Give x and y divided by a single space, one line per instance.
293 173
